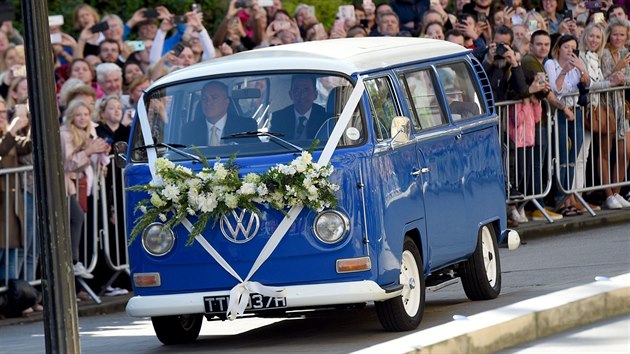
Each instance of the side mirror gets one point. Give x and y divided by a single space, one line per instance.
400 130
120 154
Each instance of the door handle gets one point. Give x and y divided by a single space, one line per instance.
416 173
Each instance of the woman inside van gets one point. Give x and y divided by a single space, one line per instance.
566 71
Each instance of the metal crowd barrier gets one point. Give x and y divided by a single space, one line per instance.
601 134
530 169
96 232
527 159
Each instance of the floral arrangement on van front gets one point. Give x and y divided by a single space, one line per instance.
216 190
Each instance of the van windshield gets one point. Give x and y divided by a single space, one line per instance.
252 115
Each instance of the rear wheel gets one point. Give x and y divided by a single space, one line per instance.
177 329
481 273
404 312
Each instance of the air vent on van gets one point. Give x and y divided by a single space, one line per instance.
485 84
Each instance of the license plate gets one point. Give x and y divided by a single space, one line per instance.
218 304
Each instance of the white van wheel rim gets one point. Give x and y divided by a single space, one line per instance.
489 256
410 279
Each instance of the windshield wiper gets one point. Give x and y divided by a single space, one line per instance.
174 147
275 137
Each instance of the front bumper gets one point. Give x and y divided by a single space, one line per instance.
298 296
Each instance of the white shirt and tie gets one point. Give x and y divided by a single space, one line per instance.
216 131
301 120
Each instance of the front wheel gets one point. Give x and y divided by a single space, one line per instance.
481 273
404 312
178 329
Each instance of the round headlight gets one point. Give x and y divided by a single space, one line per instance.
331 226
157 240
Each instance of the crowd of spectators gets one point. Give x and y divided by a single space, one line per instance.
527 48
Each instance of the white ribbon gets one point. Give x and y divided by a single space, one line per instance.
146 134
239 294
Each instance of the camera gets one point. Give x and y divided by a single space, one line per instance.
243 4
576 52
179 48
462 18
481 17
568 14
501 49
99 27
179 19
151 13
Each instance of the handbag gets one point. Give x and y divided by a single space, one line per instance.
82 186
602 118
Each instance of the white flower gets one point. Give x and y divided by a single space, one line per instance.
262 189
300 166
286 170
252 178
143 209
190 211
231 201
247 188
162 164
162 217
185 170
207 202
205 175
157 201
170 192
219 172
312 193
306 157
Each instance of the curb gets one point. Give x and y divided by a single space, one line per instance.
86 308
519 323
537 229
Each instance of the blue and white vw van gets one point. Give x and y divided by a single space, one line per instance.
410 129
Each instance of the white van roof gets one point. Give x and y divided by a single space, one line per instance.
346 55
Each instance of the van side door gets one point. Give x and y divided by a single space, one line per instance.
469 109
440 167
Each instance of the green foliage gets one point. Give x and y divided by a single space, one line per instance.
324 10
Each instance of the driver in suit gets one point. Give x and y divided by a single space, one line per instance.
303 118
219 121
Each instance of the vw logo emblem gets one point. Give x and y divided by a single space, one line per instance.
241 226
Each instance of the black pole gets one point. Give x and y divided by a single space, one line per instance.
60 307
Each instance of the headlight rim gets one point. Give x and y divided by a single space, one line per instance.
346 224
144 245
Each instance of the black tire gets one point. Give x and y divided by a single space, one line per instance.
179 329
481 273
404 312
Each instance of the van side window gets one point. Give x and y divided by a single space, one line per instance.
383 106
421 94
462 91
